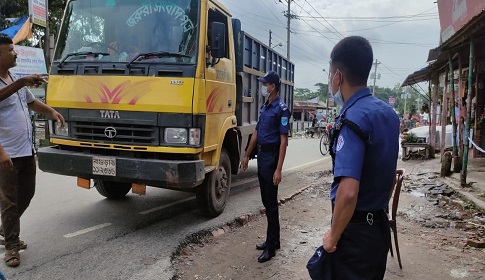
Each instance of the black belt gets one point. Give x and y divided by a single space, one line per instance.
268 147
366 216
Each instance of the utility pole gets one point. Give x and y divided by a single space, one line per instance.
405 99
375 76
47 52
328 94
270 37
406 95
290 16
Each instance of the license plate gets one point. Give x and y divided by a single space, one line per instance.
104 166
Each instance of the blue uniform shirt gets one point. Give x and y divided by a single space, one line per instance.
374 162
273 121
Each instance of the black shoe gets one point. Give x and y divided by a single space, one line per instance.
262 246
266 255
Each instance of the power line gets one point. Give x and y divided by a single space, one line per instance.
373 20
392 71
324 19
378 41
304 52
258 19
384 25
400 43
262 2
315 28
422 14
401 78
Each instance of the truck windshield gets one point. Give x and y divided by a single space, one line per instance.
121 30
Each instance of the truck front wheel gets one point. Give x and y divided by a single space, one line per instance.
213 194
113 190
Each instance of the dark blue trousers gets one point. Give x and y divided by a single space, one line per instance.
362 251
267 163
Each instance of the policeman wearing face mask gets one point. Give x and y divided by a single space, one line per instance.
364 149
270 139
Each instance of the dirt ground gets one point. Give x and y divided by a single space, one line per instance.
434 226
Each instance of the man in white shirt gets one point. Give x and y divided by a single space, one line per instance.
17 175
424 117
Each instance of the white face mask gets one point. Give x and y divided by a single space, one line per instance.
337 97
339 100
264 91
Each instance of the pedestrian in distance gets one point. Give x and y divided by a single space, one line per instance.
270 139
364 149
17 180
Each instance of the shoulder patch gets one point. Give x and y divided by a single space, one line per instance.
284 121
340 143
283 105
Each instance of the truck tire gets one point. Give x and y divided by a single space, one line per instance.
213 194
113 190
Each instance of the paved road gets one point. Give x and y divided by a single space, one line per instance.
78 234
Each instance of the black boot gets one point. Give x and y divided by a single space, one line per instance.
266 255
262 246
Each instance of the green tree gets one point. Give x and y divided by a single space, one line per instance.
303 94
322 91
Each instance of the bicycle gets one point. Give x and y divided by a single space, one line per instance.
325 140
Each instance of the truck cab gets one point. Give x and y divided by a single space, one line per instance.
152 95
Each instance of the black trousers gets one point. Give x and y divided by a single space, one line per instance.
362 250
267 163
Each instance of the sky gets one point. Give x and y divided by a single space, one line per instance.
401 34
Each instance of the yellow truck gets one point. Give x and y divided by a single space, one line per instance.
156 92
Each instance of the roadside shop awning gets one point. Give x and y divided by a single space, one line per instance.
21 30
422 75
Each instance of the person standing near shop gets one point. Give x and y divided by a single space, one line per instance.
364 152
17 183
270 139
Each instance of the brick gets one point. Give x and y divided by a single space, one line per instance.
217 232
242 220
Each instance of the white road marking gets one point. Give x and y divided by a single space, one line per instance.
166 206
308 163
86 230
242 182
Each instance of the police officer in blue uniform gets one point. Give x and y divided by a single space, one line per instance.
364 150
270 139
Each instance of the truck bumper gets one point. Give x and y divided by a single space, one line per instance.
170 174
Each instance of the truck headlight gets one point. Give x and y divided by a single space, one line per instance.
194 136
61 131
175 135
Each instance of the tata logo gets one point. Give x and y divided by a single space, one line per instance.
110 132
108 114
176 82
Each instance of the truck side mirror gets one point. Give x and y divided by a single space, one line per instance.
218 40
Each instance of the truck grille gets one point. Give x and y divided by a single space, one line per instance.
125 133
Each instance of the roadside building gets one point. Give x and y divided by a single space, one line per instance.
456 75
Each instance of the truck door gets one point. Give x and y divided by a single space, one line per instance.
220 78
